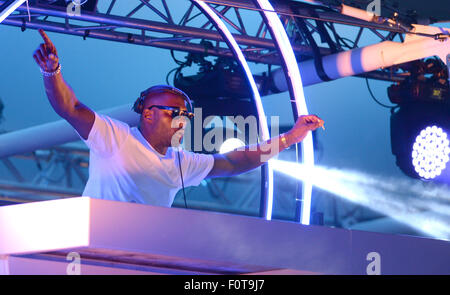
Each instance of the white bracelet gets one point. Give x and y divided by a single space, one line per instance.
50 74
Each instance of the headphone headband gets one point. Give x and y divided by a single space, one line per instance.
139 103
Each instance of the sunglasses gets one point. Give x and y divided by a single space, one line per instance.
175 111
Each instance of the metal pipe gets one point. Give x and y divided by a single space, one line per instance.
10 166
373 57
181 46
285 8
149 25
125 38
8 7
35 190
52 134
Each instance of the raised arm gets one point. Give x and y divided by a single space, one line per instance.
59 93
240 161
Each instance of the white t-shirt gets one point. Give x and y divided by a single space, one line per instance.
123 166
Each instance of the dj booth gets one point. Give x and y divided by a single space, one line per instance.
90 236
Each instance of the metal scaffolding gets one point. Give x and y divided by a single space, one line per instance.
314 32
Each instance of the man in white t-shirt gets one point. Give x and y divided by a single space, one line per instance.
139 164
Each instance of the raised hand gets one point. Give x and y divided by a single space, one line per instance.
312 122
45 55
303 125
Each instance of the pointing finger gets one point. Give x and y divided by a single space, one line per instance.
47 40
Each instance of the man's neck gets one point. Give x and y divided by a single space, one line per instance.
154 141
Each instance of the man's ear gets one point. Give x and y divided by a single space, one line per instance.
138 105
147 114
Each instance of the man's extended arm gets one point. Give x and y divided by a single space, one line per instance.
243 160
61 96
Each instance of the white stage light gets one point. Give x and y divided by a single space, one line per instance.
230 144
430 153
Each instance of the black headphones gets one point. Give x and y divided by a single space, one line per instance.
138 105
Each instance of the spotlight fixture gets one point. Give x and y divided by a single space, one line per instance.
221 79
427 82
430 153
420 141
420 124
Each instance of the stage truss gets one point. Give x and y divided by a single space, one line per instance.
313 31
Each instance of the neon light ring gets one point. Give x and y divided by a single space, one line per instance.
267 171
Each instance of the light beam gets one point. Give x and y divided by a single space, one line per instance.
423 206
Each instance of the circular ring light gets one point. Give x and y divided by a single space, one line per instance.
267 171
292 73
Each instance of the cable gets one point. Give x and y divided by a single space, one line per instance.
377 101
28 11
177 70
182 181
168 74
177 61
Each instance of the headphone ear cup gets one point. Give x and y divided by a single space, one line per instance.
138 105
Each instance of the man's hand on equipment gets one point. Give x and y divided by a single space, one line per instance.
45 55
